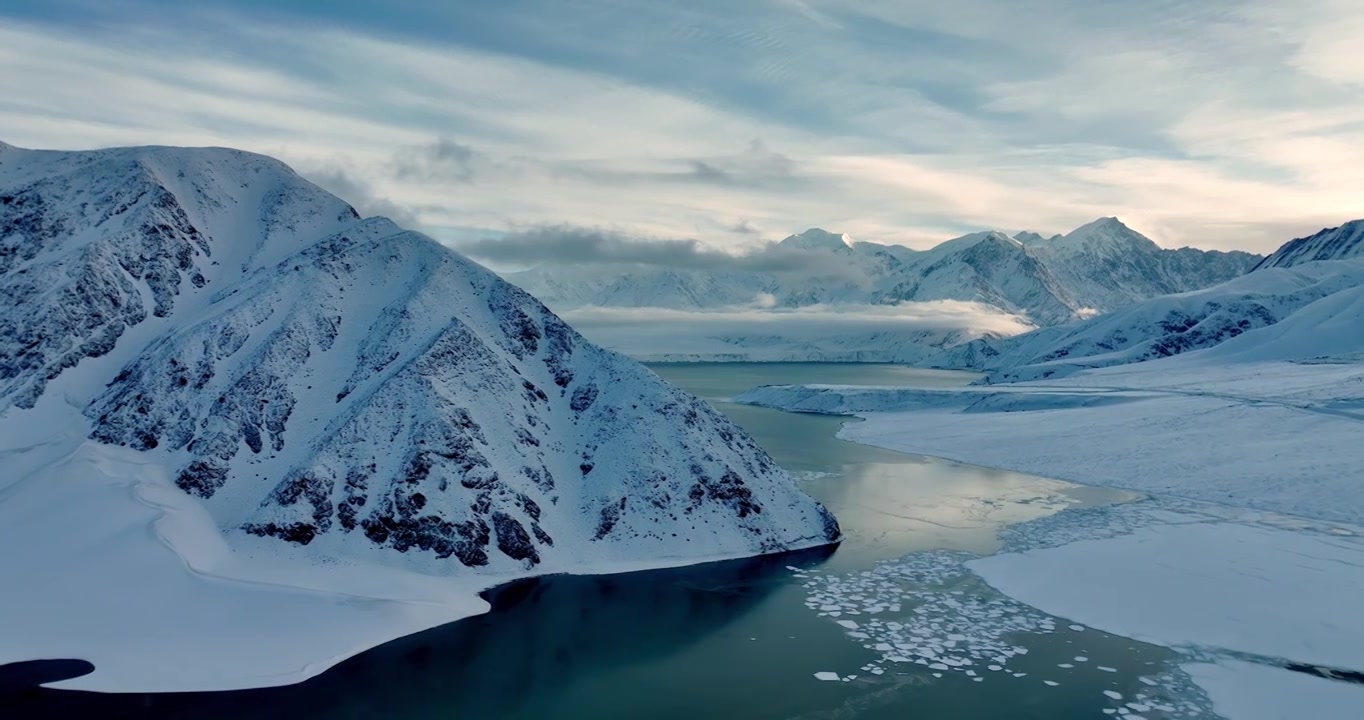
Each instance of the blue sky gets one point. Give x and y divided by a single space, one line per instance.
1221 123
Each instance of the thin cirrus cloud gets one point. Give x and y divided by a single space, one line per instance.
1228 124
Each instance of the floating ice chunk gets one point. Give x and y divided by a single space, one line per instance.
1077 628
995 668
1148 681
937 675
1065 665
848 624
1113 694
938 666
1081 658
1106 668
827 676
1052 683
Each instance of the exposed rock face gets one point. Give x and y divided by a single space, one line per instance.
345 385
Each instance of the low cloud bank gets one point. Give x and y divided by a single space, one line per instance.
903 332
569 245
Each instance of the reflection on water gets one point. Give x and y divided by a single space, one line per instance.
722 640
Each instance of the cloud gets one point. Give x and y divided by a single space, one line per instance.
362 197
442 160
810 331
566 245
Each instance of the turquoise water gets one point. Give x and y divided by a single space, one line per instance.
741 639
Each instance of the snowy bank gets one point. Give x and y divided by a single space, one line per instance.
1278 436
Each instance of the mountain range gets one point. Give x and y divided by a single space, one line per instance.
1309 291
1095 268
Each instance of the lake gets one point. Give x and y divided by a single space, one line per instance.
750 639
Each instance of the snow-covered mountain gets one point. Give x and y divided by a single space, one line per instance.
1335 243
317 379
1098 267
990 268
1306 300
1106 265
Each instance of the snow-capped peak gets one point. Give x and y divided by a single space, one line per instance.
1105 234
1028 237
818 239
972 239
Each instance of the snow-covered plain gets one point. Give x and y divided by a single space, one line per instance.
245 433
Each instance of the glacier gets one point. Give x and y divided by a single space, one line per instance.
248 433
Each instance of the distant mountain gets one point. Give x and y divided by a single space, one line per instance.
1161 326
1306 300
1096 268
989 268
1336 243
1105 265
317 379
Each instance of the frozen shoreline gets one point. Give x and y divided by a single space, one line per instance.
1277 436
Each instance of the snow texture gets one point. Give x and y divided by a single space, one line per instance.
330 391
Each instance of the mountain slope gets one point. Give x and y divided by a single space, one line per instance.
1336 243
987 267
340 390
1106 265
1167 325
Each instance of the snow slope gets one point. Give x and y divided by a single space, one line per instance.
332 392
1336 243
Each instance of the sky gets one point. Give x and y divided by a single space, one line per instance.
1219 123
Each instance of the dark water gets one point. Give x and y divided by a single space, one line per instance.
726 640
